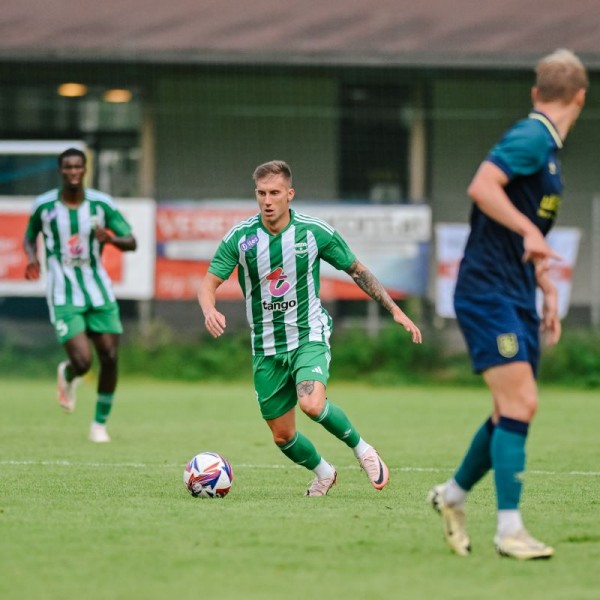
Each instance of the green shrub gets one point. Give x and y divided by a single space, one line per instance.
389 358
574 361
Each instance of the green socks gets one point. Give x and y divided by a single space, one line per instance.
301 451
334 419
103 407
69 375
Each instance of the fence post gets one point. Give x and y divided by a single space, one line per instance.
595 263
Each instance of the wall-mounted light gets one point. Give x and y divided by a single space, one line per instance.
117 95
72 90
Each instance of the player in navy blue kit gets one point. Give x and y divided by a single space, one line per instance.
516 193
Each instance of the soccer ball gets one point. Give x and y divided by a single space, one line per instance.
208 475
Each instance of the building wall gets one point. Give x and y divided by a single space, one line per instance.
213 129
205 129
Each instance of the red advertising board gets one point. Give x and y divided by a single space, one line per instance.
187 236
132 274
12 257
392 241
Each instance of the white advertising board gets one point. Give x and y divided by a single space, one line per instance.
450 243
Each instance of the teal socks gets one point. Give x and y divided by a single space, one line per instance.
508 459
477 461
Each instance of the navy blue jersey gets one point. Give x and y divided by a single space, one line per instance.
493 255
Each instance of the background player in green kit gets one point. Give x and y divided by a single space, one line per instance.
76 223
278 253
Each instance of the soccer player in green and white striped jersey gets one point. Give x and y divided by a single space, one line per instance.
75 224
278 254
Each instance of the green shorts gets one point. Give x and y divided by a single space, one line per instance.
70 321
276 377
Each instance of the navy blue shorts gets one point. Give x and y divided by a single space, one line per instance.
498 332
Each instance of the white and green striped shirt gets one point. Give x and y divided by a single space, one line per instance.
75 275
279 277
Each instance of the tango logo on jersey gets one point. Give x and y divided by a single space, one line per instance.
249 243
508 345
75 246
278 286
280 306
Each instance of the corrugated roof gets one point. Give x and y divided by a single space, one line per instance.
391 32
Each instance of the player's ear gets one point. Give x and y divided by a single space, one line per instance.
580 97
534 94
291 193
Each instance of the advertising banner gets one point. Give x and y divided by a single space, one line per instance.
450 243
393 241
132 273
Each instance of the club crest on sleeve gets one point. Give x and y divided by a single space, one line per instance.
508 345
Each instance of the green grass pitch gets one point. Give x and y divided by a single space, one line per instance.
79 520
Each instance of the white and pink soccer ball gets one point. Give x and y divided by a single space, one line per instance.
208 475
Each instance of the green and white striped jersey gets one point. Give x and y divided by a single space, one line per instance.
279 277
75 275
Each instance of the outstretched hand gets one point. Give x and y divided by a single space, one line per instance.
401 318
537 248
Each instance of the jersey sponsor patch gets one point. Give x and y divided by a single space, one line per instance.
75 246
549 205
279 306
508 344
278 287
249 243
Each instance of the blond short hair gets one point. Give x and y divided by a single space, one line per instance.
273 167
559 76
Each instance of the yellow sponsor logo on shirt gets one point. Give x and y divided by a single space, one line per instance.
549 206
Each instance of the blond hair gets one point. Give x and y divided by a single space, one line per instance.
559 76
273 167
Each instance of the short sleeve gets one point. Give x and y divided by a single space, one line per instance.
337 253
225 260
117 223
34 226
522 151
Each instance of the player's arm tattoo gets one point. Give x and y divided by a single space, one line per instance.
305 388
369 284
